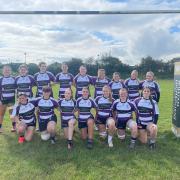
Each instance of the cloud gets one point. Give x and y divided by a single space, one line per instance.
129 37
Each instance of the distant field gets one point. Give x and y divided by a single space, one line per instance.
41 160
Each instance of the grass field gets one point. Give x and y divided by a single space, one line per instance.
41 160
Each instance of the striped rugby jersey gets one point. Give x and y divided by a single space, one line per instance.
7 88
84 106
65 80
99 84
123 110
115 87
104 106
25 112
67 108
24 84
146 110
80 82
133 87
43 79
45 106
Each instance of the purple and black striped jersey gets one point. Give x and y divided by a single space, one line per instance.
84 106
99 84
123 110
80 82
24 84
155 89
104 106
115 87
7 88
25 112
45 107
43 79
65 80
146 110
133 87
67 108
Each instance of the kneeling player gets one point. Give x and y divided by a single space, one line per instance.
67 108
104 115
24 115
147 117
123 110
84 105
46 116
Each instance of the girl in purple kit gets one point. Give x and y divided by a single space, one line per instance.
43 78
84 105
24 82
46 117
67 108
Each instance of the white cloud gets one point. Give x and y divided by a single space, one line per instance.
134 36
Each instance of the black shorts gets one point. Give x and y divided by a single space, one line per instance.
83 124
101 120
121 124
8 102
64 123
142 127
44 122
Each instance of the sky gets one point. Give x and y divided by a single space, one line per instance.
59 38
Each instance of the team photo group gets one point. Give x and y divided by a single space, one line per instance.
115 105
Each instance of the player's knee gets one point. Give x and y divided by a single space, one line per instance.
20 130
111 123
70 123
90 122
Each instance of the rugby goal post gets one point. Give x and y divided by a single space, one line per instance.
176 100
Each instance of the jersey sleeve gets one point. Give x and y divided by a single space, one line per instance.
33 82
51 77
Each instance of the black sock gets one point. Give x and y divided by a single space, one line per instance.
53 138
13 124
69 141
0 125
90 141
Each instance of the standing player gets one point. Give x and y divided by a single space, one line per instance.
67 108
82 80
7 94
46 117
133 85
43 78
65 80
24 115
116 85
104 115
122 110
147 116
153 85
84 105
24 82
99 82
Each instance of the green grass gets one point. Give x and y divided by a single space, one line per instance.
41 160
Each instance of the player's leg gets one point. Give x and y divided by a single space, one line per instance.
29 133
2 112
134 132
21 128
152 129
71 124
111 130
90 124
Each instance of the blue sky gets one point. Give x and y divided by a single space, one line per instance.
51 38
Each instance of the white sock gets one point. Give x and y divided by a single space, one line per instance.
109 138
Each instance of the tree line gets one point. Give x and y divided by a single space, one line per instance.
111 64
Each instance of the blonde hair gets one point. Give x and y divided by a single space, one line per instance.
110 93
